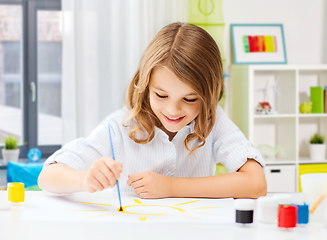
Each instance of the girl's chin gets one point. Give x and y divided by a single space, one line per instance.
172 130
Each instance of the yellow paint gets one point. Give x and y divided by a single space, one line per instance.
101 204
149 214
97 210
143 219
187 202
193 217
205 207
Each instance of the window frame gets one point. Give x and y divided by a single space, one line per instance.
29 72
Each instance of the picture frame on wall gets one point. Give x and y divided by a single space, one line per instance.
258 44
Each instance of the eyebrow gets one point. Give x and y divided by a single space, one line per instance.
190 94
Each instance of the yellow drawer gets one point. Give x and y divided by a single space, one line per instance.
311 168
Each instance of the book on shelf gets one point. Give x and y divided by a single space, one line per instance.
317 99
325 99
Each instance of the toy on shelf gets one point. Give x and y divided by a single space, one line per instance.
325 99
272 106
317 99
306 107
274 88
268 151
264 108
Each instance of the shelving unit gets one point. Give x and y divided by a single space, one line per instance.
287 128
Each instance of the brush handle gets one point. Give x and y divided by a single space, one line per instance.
113 157
117 183
315 205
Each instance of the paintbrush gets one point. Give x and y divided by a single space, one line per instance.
113 157
320 198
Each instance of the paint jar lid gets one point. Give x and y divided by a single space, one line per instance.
244 204
283 199
267 201
287 216
16 192
303 214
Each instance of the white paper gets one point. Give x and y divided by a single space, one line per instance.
88 207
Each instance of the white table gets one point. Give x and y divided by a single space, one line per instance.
12 228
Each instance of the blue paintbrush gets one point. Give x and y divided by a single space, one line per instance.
113 156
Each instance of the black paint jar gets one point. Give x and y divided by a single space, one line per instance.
244 210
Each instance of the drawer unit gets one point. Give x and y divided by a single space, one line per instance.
281 178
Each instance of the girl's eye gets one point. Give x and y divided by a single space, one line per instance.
160 96
190 100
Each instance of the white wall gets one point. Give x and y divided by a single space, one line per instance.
304 21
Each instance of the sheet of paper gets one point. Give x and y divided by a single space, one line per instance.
104 207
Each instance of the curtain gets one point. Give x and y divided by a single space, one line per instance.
103 42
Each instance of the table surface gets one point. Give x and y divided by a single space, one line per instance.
13 228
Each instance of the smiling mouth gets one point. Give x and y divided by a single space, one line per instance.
174 120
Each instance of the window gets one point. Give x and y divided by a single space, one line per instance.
30 73
11 72
49 57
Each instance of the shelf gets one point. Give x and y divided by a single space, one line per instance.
290 115
313 115
273 134
274 115
307 160
271 162
282 138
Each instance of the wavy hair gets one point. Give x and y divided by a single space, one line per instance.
194 57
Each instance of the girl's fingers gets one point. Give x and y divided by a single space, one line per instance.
134 182
140 190
134 178
106 172
137 184
112 179
95 184
120 166
115 167
145 195
102 179
103 173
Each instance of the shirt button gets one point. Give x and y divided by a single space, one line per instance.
170 168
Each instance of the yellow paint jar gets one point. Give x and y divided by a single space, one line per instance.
16 192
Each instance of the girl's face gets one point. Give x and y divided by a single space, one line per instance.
174 103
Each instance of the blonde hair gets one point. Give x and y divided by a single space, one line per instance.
194 57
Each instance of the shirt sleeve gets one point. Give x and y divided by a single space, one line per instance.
82 152
231 148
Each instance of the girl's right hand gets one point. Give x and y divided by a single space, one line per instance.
102 174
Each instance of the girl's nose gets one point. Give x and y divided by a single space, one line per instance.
174 108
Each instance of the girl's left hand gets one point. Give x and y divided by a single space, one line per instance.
150 184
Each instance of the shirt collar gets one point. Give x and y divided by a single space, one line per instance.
181 134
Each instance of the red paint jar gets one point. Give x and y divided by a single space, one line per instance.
287 216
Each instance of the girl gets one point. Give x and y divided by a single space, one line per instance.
170 136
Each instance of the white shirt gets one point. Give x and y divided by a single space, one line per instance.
225 144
